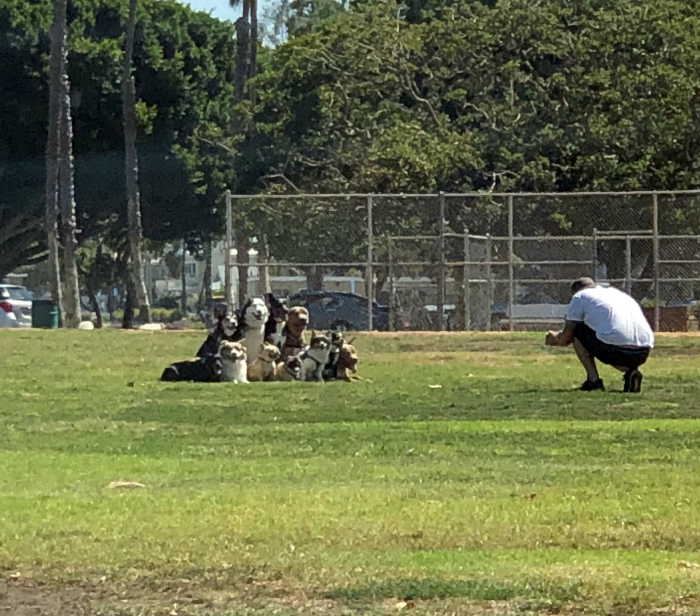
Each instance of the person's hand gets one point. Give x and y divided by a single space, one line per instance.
550 339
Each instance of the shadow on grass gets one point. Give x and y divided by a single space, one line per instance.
476 590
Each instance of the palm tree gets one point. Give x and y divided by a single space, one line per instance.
136 272
246 67
56 71
66 197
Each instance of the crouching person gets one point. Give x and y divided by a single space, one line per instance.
606 324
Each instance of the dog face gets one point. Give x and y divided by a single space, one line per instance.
222 322
269 352
278 307
297 320
348 357
319 342
229 325
255 312
232 351
293 367
337 339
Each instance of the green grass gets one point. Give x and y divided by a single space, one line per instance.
503 491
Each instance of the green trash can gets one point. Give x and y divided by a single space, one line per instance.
44 314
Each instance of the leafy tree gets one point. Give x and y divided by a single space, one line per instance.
182 64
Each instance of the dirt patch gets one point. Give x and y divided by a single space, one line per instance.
23 600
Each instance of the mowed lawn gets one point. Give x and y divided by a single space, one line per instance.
464 475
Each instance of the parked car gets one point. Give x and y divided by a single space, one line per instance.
15 306
340 311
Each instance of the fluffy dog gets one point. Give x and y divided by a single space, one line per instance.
293 332
347 363
233 360
337 342
263 368
207 369
315 357
274 328
289 370
254 315
223 327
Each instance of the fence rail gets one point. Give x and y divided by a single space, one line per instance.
475 255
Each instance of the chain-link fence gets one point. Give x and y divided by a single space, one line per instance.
466 261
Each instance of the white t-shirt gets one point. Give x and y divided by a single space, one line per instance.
614 316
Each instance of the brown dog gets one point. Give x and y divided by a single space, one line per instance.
347 363
293 333
263 368
289 370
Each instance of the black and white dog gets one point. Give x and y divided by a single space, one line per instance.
331 369
205 369
274 328
222 328
251 326
314 357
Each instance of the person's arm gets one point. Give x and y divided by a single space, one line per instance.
563 338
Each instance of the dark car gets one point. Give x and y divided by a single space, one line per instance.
340 311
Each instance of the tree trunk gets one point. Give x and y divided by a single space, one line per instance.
132 172
380 295
264 271
206 283
183 280
242 247
242 51
128 319
253 65
314 278
94 305
66 196
57 63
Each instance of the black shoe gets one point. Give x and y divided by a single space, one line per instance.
633 381
593 386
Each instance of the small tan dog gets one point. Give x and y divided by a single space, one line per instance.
234 363
289 370
347 363
263 368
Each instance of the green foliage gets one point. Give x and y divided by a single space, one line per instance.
183 61
464 96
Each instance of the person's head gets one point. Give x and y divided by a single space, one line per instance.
582 283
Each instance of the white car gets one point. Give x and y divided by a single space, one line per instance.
15 306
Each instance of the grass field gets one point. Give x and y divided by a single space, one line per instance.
501 492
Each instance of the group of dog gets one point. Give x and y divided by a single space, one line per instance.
266 341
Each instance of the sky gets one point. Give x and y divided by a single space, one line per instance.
220 8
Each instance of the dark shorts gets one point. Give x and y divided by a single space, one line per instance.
609 353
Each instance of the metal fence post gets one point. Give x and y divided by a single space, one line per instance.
465 282
595 254
392 307
441 257
657 264
369 276
511 277
628 264
228 298
489 283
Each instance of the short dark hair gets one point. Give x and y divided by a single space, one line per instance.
582 283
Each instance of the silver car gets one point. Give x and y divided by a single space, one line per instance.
15 306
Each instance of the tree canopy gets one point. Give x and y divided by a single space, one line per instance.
375 96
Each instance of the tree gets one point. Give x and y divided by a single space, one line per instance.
138 285
66 196
57 72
